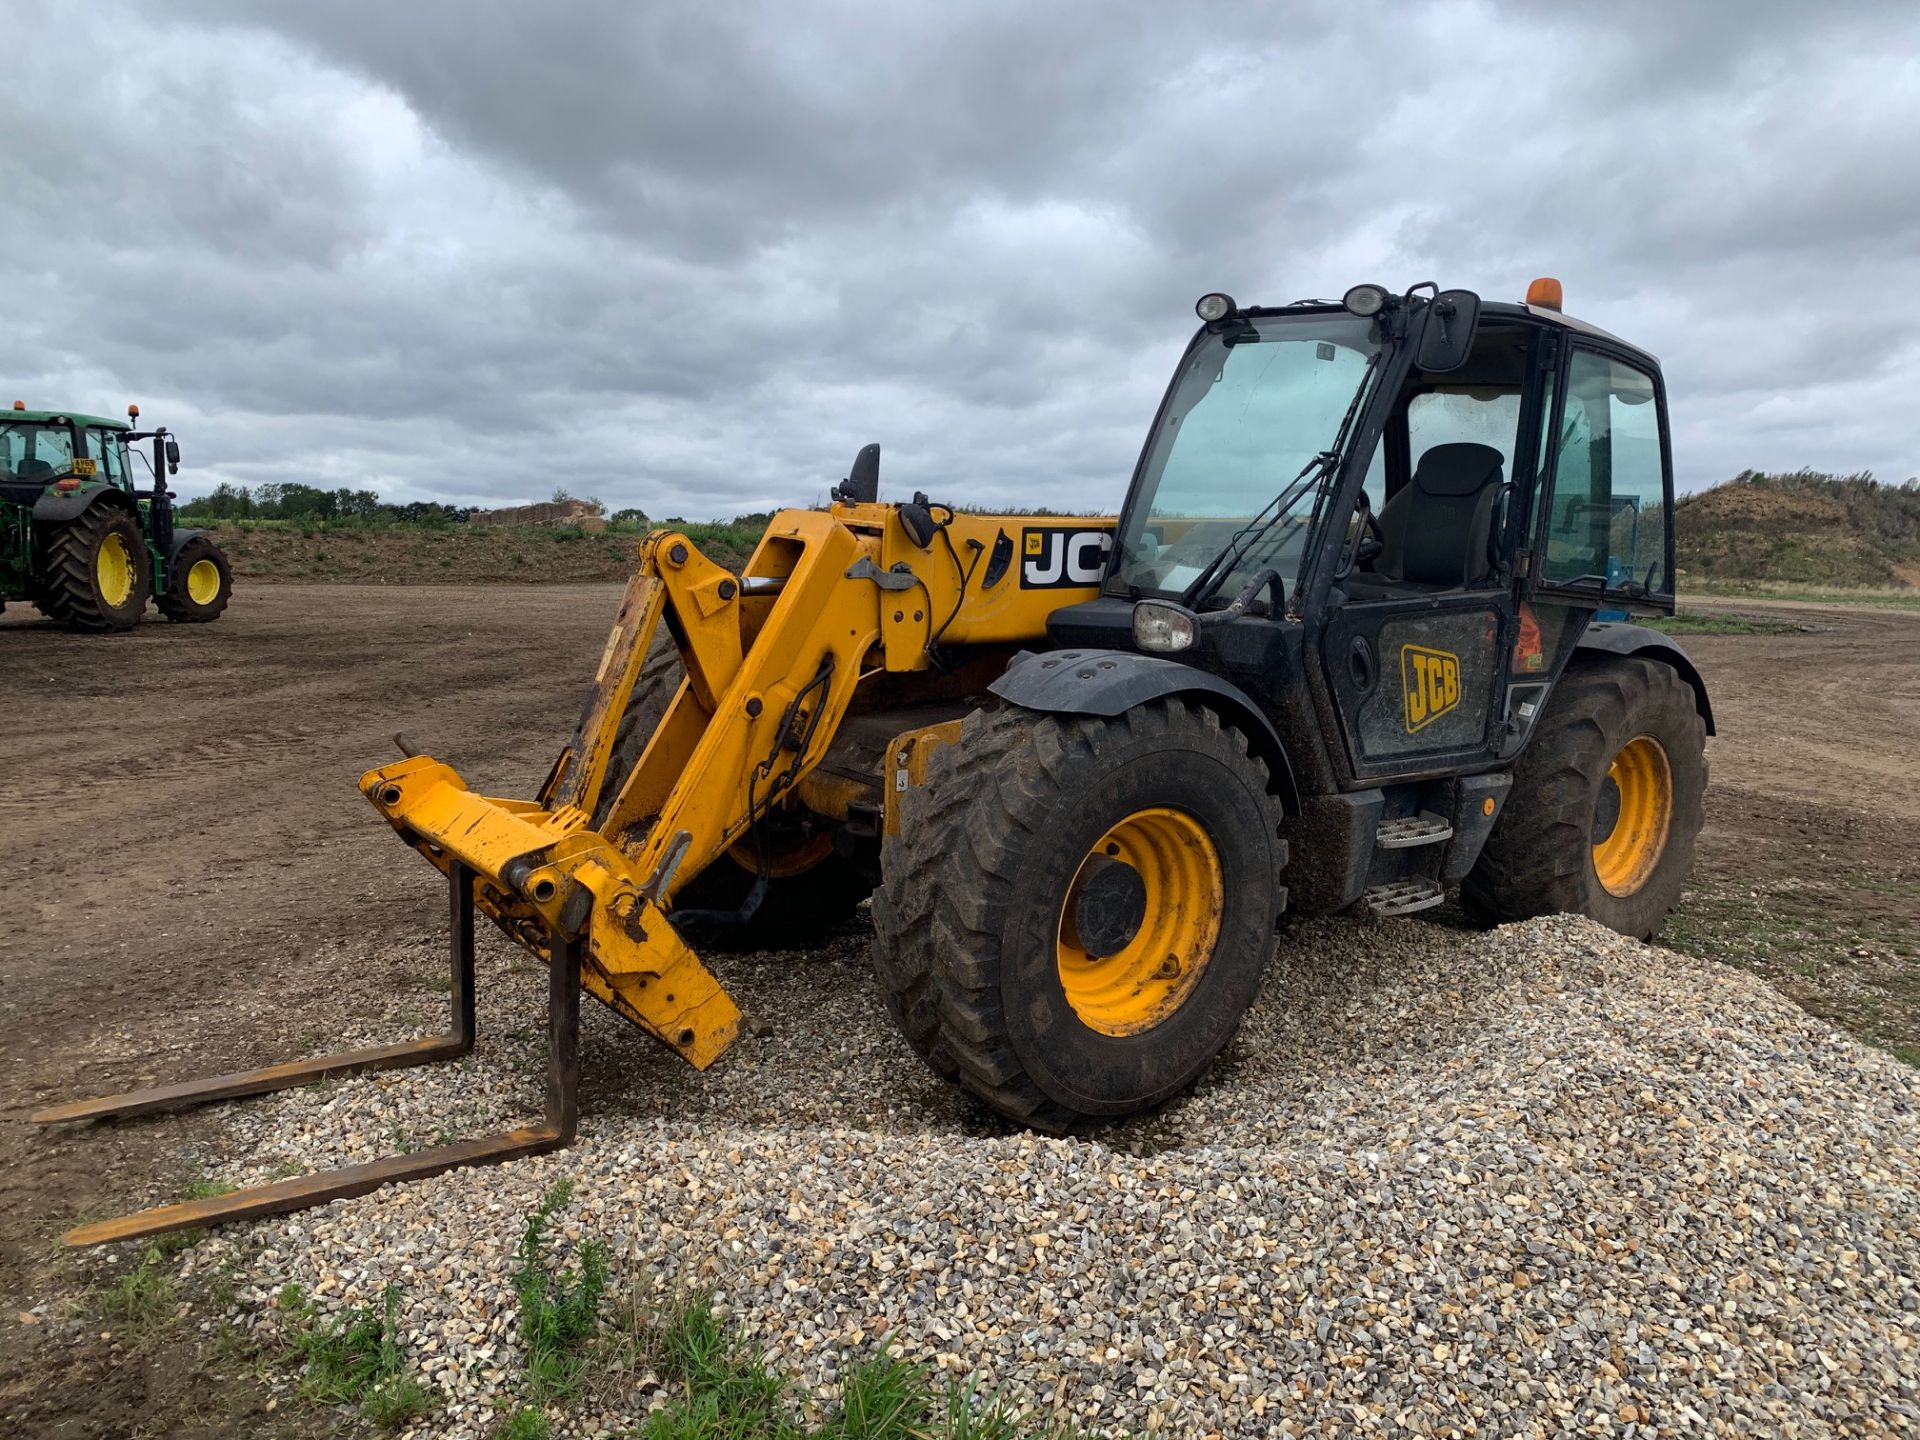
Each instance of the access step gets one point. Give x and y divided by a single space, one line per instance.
1426 828
1404 897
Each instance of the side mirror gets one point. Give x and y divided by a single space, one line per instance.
173 455
1447 336
862 485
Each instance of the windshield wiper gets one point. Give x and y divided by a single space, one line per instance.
1223 564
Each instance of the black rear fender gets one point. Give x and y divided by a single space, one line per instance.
1612 637
53 508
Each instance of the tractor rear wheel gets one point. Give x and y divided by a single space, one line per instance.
1077 911
1607 800
98 574
200 585
811 890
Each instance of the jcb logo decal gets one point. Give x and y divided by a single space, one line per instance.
1430 681
1055 556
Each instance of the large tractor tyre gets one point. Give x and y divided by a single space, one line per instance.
1077 911
98 575
1607 800
811 891
200 585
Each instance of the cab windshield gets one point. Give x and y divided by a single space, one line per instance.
1251 408
35 451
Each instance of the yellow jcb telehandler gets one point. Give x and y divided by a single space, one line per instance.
1083 765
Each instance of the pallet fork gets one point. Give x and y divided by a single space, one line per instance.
555 1132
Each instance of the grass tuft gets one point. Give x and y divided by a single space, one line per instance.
526 1423
882 1397
558 1313
729 1393
357 1360
721 1385
729 1389
144 1301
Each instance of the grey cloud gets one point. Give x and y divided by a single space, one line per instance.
691 256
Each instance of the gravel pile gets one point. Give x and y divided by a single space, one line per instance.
1542 1180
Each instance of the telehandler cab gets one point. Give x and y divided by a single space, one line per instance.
1083 765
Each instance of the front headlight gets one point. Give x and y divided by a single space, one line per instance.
1160 627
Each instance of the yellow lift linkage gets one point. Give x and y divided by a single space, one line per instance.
831 604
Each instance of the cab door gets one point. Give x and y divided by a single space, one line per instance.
1417 661
1601 536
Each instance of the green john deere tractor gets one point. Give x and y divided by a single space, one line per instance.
81 541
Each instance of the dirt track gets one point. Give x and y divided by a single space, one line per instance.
195 884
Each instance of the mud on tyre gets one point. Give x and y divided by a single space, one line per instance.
98 571
199 583
1607 800
1078 911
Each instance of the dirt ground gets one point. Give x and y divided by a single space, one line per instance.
195 884
1808 871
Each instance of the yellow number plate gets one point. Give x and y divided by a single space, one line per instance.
84 466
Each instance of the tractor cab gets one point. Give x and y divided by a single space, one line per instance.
35 451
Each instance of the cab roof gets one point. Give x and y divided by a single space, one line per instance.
1562 319
1505 309
41 417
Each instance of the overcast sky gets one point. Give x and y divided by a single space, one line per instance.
691 256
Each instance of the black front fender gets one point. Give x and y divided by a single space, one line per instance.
180 538
1612 637
1111 682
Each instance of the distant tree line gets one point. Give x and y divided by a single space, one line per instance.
308 503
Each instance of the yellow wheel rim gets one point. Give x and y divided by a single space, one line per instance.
1146 975
203 582
794 858
1633 816
113 572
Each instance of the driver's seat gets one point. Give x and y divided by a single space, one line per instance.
1437 530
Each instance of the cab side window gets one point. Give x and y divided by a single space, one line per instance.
104 446
1606 515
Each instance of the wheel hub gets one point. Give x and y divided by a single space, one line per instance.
1606 810
1112 903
